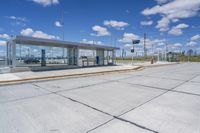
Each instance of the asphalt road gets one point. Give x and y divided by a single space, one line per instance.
161 99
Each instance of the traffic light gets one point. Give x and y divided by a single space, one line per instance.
132 50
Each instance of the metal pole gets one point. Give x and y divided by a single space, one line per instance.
136 57
6 54
132 54
132 58
166 51
145 35
13 54
93 50
28 52
152 53
63 32
63 25
20 52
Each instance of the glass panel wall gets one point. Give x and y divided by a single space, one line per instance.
87 57
110 57
30 55
3 55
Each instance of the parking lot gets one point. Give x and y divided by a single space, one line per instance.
159 99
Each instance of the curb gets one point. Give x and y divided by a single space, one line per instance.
6 82
150 66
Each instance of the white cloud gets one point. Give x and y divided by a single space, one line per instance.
58 24
17 20
4 36
177 30
37 34
146 23
155 42
40 34
46 2
128 45
116 24
159 49
182 26
163 24
101 31
91 42
159 42
162 1
175 20
191 43
23 19
27 32
177 45
194 38
2 43
174 10
128 37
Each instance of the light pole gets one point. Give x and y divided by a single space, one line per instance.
189 51
166 50
63 32
145 50
133 49
152 55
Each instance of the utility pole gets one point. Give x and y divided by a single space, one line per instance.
122 54
189 53
63 32
63 25
152 55
93 50
133 48
145 52
166 50
20 53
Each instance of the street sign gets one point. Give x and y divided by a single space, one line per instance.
132 49
135 41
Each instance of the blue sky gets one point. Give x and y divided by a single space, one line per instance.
107 22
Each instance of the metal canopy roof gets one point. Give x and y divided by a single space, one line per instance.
59 43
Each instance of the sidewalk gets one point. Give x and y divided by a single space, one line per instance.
148 64
45 75
31 76
145 63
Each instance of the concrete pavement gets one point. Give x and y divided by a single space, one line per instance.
28 76
162 99
42 75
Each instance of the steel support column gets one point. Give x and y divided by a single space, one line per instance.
100 55
73 54
11 53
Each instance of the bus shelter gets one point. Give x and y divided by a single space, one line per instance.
104 55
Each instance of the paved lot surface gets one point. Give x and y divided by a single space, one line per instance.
66 72
161 99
